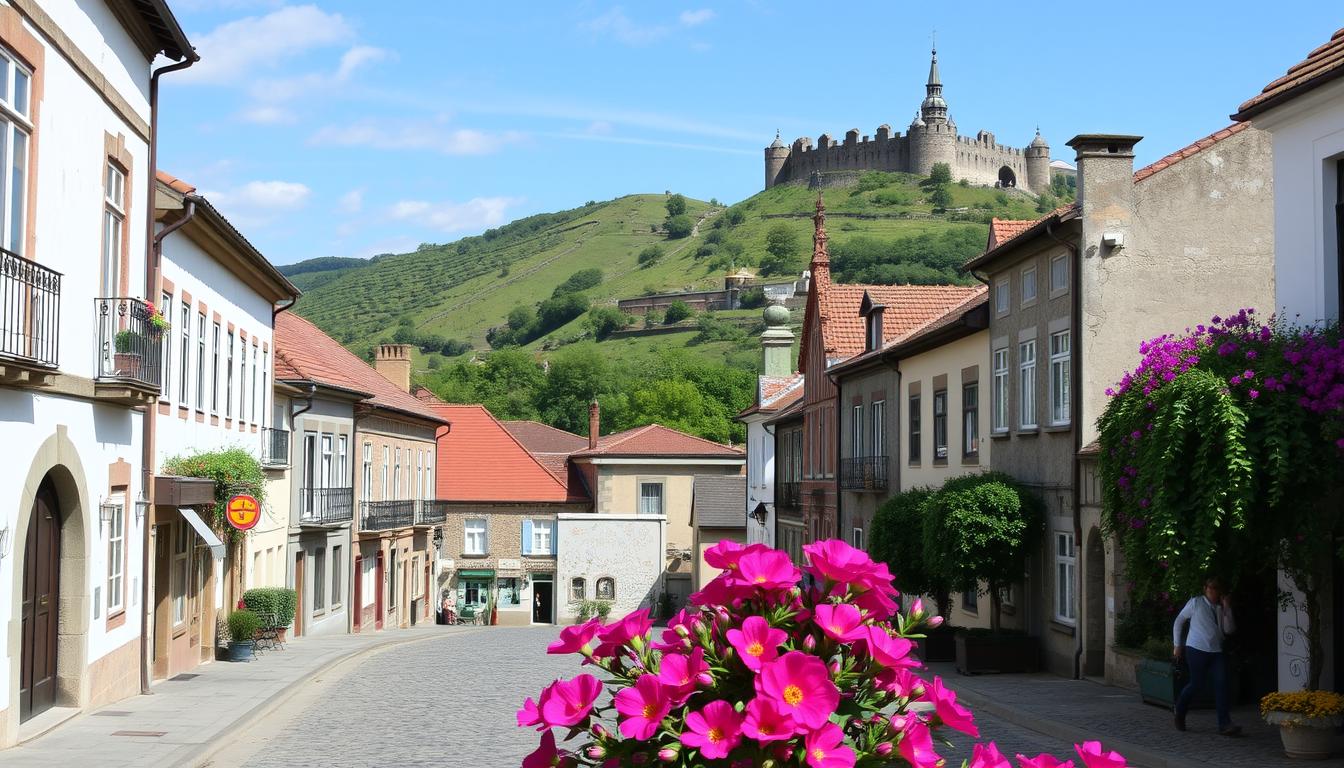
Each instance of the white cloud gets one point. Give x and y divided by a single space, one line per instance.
262 196
234 51
476 213
267 114
357 57
352 201
590 136
414 135
696 18
621 27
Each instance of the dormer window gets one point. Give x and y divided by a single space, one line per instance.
871 312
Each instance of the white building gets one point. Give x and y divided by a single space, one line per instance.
79 355
586 556
777 388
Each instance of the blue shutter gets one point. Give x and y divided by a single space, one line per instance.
555 535
527 537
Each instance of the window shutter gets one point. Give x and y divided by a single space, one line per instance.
527 537
555 535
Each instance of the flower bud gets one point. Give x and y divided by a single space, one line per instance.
809 643
898 722
918 607
637 642
600 732
935 622
835 667
667 754
596 752
682 631
704 680
883 749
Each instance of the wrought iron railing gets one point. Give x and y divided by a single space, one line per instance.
274 447
432 512
326 506
30 310
863 473
789 495
129 346
382 515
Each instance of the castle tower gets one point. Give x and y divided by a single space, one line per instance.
1038 164
775 156
937 141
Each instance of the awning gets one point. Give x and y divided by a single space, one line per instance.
203 530
476 574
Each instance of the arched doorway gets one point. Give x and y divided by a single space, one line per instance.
40 609
1006 177
1094 613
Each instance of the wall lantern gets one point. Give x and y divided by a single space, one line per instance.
760 513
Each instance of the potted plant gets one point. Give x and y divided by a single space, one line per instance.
126 361
276 601
243 627
1155 674
1308 721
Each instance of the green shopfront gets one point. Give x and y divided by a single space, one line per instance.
519 597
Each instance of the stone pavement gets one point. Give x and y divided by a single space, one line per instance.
1068 711
185 719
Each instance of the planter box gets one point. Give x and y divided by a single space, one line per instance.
1158 685
982 652
1307 738
939 645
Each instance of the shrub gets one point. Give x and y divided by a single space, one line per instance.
898 540
751 298
676 205
941 173
277 600
941 197
893 197
579 281
714 329
650 256
676 312
234 471
679 227
606 321
243 626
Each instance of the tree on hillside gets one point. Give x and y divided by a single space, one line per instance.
579 281
606 320
676 312
1046 203
679 226
578 374
676 205
650 256
941 173
941 197
927 259
783 246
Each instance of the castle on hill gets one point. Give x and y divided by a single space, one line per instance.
932 138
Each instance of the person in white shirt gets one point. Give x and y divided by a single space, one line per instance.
1210 619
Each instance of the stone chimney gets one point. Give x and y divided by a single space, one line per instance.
776 342
1105 192
393 361
594 424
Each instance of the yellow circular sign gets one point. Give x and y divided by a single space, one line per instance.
243 512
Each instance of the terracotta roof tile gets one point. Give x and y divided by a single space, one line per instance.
543 438
775 393
1001 230
176 184
1184 152
656 440
479 460
1321 65
305 353
908 307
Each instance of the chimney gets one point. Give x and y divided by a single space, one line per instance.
1105 191
820 267
393 361
594 424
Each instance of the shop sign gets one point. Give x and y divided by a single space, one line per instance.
510 565
243 512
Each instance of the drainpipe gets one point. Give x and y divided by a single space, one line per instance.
147 431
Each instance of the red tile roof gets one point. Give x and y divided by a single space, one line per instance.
543 438
479 460
908 307
304 353
910 342
1321 66
1192 149
775 393
1006 229
655 441
175 183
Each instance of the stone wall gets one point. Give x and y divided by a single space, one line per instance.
626 548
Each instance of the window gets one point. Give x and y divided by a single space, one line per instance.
242 378
1027 380
578 588
1000 395
1028 285
15 130
310 459
255 395
1059 274
508 589
320 580
396 476
366 489
856 538
116 553
1065 571
914 429
200 362
419 471
856 432
429 476
1059 378
650 498
114 222
394 579
177 577
382 473
327 466
970 600
228 380
543 537
1002 297
214 372
970 419
475 544
342 461
336 576
940 425
185 365
265 380
166 340
879 433
606 588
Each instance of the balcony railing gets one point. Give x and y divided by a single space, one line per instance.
129 346
432 512
382 515
789 495
274 447
863 473
326 506
30 310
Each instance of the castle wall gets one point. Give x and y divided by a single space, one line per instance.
854 154
979 159
976 159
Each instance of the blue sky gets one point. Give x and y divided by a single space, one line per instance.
355 128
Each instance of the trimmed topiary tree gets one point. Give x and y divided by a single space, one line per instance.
898 540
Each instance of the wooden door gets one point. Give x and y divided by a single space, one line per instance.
358 576
41 592
378 594
298 590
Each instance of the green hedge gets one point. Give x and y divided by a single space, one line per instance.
278 600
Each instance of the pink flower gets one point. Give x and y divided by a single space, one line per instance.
1042 761
644 705
616 635
952 714
546 755
767 569
835 560
724 555
1094 757
824 748
714 730
756 642
988 756
801 686
530 715
577 639
901 682
678 672
917 745
841 622
890 652
765 722
567 702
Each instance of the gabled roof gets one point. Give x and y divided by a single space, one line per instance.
657 441
304 353
543 438
1006 229
1322 65
480 460
719 501
164 33
1187 151
908 307
774 393
791 412
963 319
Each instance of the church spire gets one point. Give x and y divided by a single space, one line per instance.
821 258
934 77
934 107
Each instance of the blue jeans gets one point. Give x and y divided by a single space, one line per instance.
1205 665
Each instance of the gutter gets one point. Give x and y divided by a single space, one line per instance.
152 283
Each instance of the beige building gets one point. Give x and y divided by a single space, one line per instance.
717 514
264 546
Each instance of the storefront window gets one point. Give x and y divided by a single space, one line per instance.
474 592
508 592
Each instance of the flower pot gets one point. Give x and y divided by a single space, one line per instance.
1157 682
979 652
127 363
240 651
1306 738
281 634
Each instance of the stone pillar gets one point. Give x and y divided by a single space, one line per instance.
776 342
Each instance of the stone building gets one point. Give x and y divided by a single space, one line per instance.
932 138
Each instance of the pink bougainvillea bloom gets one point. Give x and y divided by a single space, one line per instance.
546 755
900 681
618 634
756 642
724 555
835 560
917 745
841 622
1095 757
566 703
767 569
577 638
825 748
644 706
952 714
678 673
988 756
801 686
1042 761
764 721
714 730
890 652
530 715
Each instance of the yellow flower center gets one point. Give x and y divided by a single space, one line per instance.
760 579
714 735
818 753
649 711
793 694
837 630
765 730
756 649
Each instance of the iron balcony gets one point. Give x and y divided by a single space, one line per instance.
326 506
129 347
30 311
863 473
384 515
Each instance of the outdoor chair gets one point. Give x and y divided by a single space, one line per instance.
268 638
468 615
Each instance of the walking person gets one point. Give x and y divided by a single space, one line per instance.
1210 619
